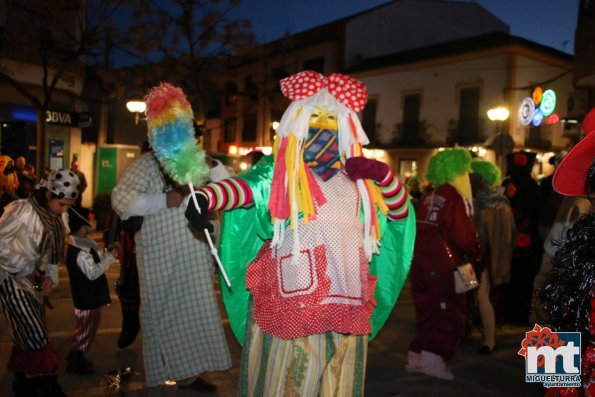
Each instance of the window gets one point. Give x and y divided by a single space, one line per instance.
369 119
315 64
411 110
229 130
250 88
231 94
468 128
249 130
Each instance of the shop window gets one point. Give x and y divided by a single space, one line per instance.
407 168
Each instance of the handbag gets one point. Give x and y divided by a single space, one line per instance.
465 279
464 275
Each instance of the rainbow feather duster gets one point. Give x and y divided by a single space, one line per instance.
171 134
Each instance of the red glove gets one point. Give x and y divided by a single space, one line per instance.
363 168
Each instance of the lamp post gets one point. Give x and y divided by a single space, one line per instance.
137 107
502 142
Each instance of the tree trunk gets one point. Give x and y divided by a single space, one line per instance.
41 161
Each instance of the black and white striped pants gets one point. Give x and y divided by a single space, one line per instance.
26 316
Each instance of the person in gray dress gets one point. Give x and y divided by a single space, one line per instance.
182 331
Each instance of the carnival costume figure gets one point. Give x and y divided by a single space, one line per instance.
494 222
322 239
32 235
446 238
568 297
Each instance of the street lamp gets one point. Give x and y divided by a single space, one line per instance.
137 107
502 142
499 113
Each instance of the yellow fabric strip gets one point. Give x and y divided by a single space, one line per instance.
304 193
325 148
289 166
310 141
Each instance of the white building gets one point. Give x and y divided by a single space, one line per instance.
436 96
433 69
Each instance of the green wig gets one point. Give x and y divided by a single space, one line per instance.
447 165
488 171
413 180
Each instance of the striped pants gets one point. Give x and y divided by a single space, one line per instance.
87 322
26 316
322 365
31 353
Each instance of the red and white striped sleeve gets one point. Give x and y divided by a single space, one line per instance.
227 194
395 196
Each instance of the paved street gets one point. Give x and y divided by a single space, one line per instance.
500 374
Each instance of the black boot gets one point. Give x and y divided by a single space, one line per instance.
47 386
22 386
78 364
130 326
86 362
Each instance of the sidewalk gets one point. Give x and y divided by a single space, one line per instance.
500 374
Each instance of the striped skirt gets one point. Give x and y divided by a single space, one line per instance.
324 365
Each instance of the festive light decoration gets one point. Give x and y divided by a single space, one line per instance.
548 102
553 119
526 111
537 118
537 95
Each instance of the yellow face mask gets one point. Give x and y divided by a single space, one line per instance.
323 118
463 186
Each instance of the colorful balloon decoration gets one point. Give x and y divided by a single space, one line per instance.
537 118
548 103
526 111
539 105
537 95
553 119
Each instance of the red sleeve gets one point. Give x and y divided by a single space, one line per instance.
458 228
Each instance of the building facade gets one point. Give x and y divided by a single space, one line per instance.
39 65
437 96
433 69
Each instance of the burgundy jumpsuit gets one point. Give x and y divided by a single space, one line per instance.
444 224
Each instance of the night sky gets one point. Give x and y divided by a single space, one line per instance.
548 22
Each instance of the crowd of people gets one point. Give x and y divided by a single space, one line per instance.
318 241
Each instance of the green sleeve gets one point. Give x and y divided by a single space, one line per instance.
392 265
243 232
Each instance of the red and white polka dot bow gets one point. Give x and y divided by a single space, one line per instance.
349 91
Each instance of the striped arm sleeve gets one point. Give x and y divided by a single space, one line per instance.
395 196
227 194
